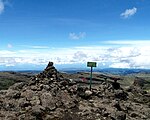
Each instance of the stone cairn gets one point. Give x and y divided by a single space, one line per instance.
50 96
50 72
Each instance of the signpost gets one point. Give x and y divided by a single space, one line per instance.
91 64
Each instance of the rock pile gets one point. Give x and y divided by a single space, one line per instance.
49 96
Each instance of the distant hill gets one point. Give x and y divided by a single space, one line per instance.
120 71
8 78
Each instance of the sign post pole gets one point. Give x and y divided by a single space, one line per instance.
91 78
91 64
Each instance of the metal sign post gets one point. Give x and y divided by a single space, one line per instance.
91 64
91 77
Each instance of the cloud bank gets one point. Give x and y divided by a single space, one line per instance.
125 55
129 12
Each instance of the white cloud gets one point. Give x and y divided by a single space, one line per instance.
129 12
120 65
122 56
6 53
39 47
9 46
128 42
2 6
35 46
75 36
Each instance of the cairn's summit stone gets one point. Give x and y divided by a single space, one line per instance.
50 72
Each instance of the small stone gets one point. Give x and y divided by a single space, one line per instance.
46 87
34 88
35 100
88 93
120 115
134 114
121 95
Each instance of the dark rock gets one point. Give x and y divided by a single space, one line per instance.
116 85
120 94
10 106
32 82
49 64
73 89
38 112
84 93
117 105
133 114
22 102
46 87
3 92
64 83
139 82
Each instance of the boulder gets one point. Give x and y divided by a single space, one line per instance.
48 101
13 94
17 86
66 99
38 112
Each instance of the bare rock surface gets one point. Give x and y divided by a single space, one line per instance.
50 96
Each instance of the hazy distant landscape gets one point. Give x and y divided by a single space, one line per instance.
9 78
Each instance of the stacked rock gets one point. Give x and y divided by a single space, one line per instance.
50 72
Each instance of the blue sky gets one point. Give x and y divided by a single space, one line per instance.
113 33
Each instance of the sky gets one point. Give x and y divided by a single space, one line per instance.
113 33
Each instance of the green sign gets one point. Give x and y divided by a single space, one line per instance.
91 64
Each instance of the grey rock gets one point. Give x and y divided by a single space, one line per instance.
133 114
13 94
17 86
88 93
120 115
48 101
22 102
66 99
28 94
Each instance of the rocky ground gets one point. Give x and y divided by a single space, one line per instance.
52 96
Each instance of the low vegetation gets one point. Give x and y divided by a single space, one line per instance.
9 78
